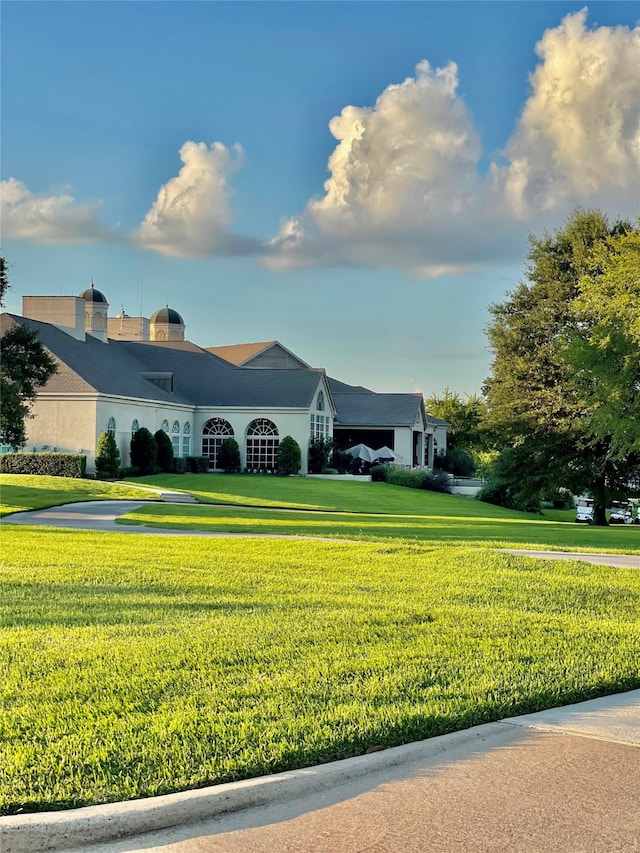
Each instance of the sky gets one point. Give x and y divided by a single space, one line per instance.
357 180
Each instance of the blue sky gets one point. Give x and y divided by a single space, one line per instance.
354 179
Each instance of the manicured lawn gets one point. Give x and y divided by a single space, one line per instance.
364 510
20 492
139 665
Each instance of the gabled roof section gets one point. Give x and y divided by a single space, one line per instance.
250 355
342 388
368 409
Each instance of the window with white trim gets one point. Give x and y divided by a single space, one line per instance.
175 438
214 433
186 439
262 444
135 426
111 428
165 426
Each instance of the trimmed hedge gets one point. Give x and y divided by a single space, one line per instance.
179 465
197 464
52 464
412 478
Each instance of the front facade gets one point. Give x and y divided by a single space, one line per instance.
154 378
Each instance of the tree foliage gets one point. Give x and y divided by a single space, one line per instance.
107 456
541 399
229 456
289 456
465 418
320 450
144 451
164 459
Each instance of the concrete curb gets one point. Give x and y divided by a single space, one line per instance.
94 824
615 718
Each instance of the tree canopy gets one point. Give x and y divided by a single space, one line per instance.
25 366
543 397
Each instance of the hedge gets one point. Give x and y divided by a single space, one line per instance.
197 464
53 464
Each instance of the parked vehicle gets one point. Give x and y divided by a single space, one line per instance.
584 512
621 513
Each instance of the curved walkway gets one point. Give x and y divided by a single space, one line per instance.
102 515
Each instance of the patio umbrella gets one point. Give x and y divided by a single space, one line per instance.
361 451
387 453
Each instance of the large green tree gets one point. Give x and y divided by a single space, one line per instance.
25 366
538 399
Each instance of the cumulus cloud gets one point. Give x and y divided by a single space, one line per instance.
405 189
190 217
578 138
48 218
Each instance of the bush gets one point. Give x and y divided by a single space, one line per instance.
411 478
52 464
144 451
164 459
107 457
502 494
179 465
129 472
319 454
456 461
229 456
197 464
342 461
289 457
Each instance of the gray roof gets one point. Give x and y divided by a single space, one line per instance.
199 378
368 409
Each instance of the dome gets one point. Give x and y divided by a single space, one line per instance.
93 295
167 315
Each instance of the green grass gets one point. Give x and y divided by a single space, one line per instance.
365 510
140 665
19 492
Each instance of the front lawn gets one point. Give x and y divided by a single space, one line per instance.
19 492
140 665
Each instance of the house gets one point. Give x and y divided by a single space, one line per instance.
122 373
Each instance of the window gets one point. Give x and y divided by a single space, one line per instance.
111 428
319 426
186 439
214 433
165 426
175 438
320 402
135 426
262 445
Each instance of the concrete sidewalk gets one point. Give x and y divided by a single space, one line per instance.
566 780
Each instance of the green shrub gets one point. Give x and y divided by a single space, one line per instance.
319 454
131 471
456 461
144 451
411 478
197 464
342 461
107 457
289 457
229 456
164 460
179 465
52 464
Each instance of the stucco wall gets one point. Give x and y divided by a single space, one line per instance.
65 423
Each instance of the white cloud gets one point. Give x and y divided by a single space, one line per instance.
403 174
578 138
48 219
405 189
190 217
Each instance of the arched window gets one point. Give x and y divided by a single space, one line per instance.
186 439
214 433
111 427
165 426
175 438
262 445
320 402
135 426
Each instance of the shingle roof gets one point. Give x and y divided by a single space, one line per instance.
239 353
200 378
367 408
